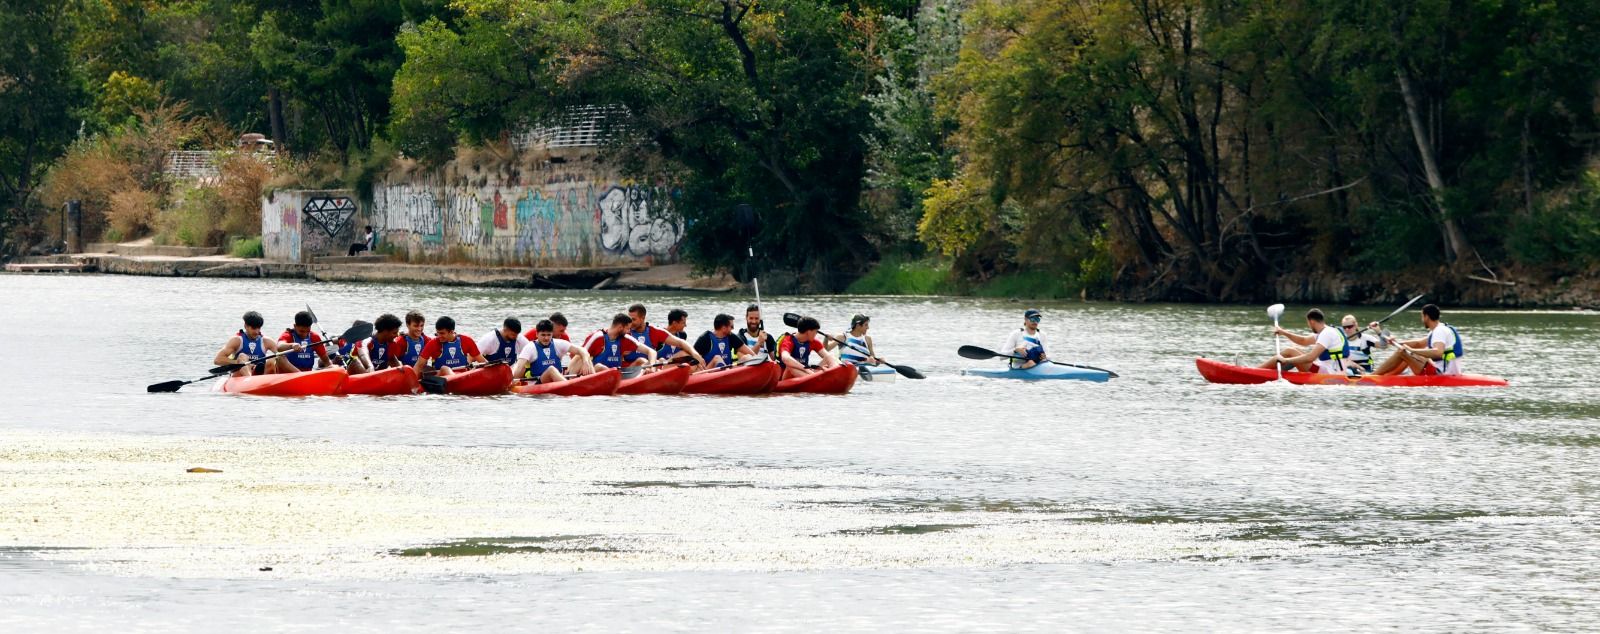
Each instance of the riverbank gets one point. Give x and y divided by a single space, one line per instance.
376 269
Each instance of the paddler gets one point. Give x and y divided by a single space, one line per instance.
653 338
1437 354
755 332
407 348
678 324
505 343
855 342
447 351
1362 343
541 358
611 346
719 345
1027 342
795 349
1326 351
560 322
249 346
354 354
380 348
305 358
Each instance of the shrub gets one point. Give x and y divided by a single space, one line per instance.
894 276
247 248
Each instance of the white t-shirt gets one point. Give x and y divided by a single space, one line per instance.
1019 339
1442 334
1333 341
530 352
490 342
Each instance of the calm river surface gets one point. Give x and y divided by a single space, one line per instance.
1154 502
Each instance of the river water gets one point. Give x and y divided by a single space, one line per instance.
1155 502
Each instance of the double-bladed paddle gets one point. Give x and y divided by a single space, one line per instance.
1399 310
974 352
361 330
792 320
1275 311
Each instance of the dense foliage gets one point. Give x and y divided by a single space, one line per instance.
1187 149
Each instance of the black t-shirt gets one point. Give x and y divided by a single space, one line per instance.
703 346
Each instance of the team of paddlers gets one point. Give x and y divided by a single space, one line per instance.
1349 349
546 353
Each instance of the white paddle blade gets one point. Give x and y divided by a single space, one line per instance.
1275 311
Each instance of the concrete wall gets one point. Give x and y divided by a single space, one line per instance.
536 213
296 224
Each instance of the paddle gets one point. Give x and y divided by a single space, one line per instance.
974 352
361 330
1397 311
1275 311
793 321
334 358
433 382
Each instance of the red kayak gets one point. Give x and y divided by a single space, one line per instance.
325 382
601 383
751 379
1219 372
669 380
390 382
836 380
485 381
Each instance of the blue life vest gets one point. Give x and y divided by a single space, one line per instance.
1036 351
413 349
544 358
305 359
346 348
851 355
643 339
802 349
504 350
610 355
256 349
720 347
451 355
378 353
1344 350
1454 351
667 350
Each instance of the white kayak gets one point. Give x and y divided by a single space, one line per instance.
1043 371
876 373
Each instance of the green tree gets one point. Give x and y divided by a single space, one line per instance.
40 97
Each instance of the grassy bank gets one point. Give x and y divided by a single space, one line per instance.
896 276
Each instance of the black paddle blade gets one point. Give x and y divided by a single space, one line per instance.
791 320
974 352
759 357
866 375
231 367
361 330
907 371
167 386
432 384
632 371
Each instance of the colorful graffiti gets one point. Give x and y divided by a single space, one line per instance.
280 229
566 219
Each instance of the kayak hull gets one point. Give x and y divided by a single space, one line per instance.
601 383
325 382
836 380
485 381
1226 373
669 380
747 380
1042 372
877 373
389 382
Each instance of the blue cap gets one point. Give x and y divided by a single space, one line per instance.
1033 314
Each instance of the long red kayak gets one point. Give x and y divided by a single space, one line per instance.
1219 372
668 380
601 383
390 382
751 379
485 381
325 382
836 380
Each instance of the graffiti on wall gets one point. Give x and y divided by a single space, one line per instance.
280 230
566 219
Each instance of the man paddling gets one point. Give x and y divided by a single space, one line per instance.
795 350
1362 343
1326 351
755 333
541 359
305 358
380 348
559 321
447 351
1437 354
677 322
653 338
855 341
249 346
505 343
354 354
407 348
1027 342
719 345
611 346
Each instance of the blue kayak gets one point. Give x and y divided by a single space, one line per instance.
1042 371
